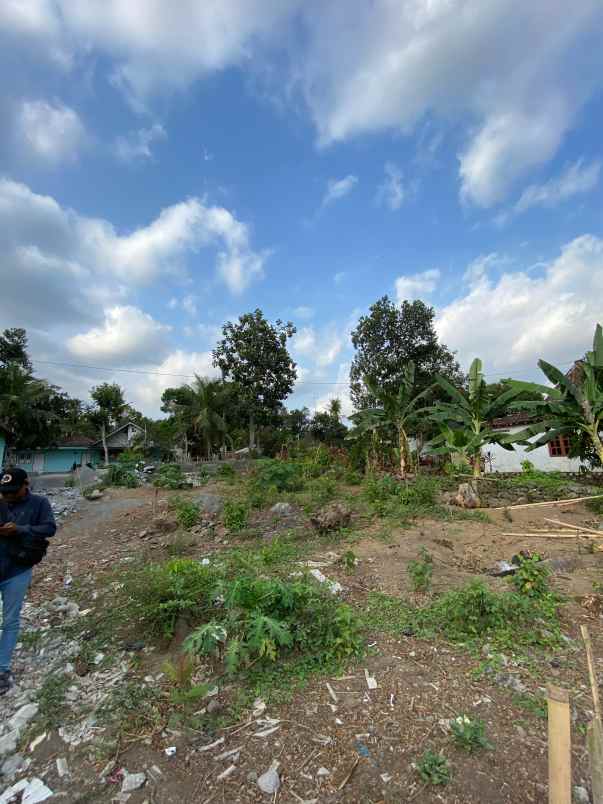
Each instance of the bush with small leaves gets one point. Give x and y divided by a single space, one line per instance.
470 735
433 768
235 515
420 571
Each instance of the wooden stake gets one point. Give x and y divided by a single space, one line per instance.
560 767
592 673
550 535
155 501
551 502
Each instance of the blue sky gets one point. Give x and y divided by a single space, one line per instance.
163 170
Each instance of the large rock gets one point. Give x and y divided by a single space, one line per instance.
282 509
332 517
210 503
22 716
467 496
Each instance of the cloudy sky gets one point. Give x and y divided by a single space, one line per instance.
165 167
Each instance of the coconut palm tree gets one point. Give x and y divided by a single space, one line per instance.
203 411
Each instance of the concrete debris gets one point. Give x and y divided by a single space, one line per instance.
581 795
170 751
26 792
371 681
62 767
14 765
385 778
334 586
269 782
282 509
234 752
332 692
266 732
322 772
511 682
8 743
78 733
210 503
259 707
132 781
503 568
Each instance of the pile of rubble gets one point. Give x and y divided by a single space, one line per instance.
64 501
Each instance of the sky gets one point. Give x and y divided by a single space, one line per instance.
166 167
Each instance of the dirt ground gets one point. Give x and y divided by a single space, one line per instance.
350 743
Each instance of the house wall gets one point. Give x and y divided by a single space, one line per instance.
505 461
57 460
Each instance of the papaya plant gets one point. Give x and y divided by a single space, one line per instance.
572 406
465 420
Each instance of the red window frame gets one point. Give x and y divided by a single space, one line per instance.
559 447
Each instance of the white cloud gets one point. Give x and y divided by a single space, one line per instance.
577 179
329 346
339 188
126 336
187 303
304 341
339 277
323 347
303 312
51 132
391 192
417 285
78 266
136 146
479 267
177 368
512 322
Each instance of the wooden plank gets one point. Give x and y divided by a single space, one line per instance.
551 502
574 527
592 673
594 744
560 767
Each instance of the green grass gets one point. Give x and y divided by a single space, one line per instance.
51 699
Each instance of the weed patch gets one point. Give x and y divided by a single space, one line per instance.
51 699
187 513
170 476
420 571
434 768
235 515
470 735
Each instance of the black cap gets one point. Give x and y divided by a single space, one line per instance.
11 479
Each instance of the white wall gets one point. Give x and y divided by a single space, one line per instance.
505 461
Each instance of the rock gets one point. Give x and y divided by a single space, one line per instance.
269 782
332 517
95 494
62 767
581 795
13 765
252 776
334 586
511 682
26 791
210 503
132 781
214 706
282 509
503 568
8 743
22 716
467 497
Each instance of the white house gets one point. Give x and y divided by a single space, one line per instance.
551 457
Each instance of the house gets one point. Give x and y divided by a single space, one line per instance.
58 458
121 439
550 457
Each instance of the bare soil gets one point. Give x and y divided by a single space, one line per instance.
366 741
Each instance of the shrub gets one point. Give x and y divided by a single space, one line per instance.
235 515
226 472
322 489
187 513
433 768
420 571
468 734
120 475
170 476
531 577
278 475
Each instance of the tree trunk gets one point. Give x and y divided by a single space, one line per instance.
403 445
251 431
105 448
477 464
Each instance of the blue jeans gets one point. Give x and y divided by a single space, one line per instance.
13 594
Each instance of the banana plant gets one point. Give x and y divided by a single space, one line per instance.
466 419
396 411
573 406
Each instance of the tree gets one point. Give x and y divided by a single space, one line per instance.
253 354
387 339
572 407
396 411
203 411
327 429
334 408
110 405
25 411
470 412
13 349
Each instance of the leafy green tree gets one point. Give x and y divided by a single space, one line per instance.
390 337
109 407
334 408
25 411
466 420
572 407
253 354
327 429
204 412
13 349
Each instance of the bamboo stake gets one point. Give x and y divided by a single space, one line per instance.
594 684
548 502
550 535
594 736
560 767
574 527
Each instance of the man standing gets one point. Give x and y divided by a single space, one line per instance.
26 523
